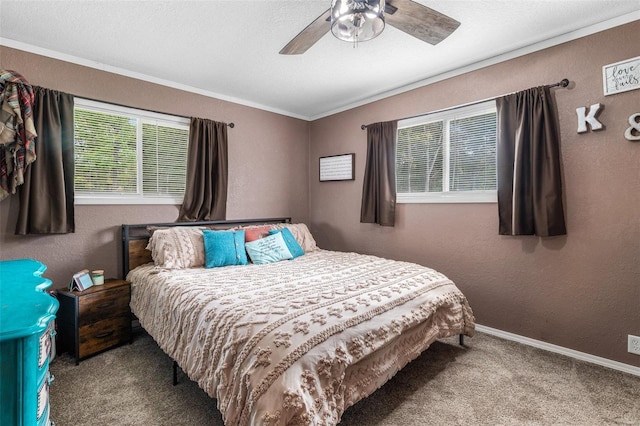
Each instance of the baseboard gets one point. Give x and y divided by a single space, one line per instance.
615 365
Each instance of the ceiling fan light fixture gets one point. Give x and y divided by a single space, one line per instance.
357 20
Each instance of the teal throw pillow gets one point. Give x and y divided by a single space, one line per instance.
290 240
223 248
268 249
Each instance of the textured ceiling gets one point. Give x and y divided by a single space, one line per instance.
229 49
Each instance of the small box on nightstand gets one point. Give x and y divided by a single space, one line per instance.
95 319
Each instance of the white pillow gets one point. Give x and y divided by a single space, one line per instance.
177 248
268 249
302 235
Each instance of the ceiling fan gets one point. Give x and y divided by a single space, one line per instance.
413 18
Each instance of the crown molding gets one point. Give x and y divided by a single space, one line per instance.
573 35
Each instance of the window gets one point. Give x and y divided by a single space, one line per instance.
128 156
448 157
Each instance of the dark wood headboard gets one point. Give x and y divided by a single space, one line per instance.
135 237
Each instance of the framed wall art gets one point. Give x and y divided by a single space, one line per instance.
337 167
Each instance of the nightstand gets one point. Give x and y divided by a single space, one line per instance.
95 319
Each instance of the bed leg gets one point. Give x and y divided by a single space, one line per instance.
175 373
462 340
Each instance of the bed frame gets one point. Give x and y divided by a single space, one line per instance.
135 237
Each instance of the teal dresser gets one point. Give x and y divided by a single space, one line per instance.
27 314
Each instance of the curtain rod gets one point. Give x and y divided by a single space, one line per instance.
563 83
231 125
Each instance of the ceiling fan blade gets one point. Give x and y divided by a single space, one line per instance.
309 36
419 21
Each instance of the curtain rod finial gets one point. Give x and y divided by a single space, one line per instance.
363 127
564 82
231 125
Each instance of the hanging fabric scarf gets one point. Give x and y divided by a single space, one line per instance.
17 131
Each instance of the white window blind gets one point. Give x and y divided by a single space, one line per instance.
419 158
472 153
448 156
164 154
128 156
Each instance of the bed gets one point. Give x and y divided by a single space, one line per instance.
289 342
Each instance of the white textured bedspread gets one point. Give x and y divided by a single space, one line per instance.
296 342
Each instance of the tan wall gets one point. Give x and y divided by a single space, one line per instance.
268 166
581 291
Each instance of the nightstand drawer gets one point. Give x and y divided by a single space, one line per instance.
104 334
97 306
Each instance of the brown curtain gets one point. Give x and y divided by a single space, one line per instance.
46 197
379 187
205 196
529 176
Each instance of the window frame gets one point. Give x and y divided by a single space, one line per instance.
144 117
446 196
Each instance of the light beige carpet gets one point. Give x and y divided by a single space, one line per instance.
490 382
